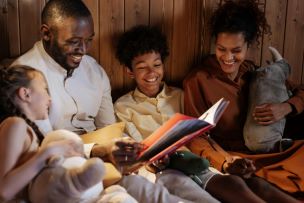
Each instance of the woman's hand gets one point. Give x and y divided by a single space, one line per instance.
240 166
266 114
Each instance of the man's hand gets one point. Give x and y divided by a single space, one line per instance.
241 167
266 114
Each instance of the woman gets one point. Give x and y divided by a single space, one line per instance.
235 26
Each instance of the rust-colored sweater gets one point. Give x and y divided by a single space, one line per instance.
207 84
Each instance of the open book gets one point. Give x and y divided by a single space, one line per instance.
179 130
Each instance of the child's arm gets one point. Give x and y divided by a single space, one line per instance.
15 139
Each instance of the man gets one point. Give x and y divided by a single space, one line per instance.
80 89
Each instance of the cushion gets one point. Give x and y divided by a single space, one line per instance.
112 175
104 136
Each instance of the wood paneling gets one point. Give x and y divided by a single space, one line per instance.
13 28
186 37
29 22
185 23
208 7
294 40
276 16
93 5
111 25
136 13
4 32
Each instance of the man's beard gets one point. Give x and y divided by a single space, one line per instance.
57 54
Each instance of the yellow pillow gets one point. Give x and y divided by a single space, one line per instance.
112 175
104 136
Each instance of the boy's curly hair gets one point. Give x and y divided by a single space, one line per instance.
140 40
234 16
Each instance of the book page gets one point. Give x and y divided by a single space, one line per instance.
213 114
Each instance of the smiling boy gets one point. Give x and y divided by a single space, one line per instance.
152 102
142 50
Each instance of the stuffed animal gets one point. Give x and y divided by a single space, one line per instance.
74 179
267 86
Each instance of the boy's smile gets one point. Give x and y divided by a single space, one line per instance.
148 72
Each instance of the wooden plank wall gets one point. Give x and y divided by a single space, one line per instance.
4 46
183 21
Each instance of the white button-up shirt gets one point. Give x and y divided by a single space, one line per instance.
143 115
81 102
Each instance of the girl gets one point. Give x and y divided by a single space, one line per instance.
24 98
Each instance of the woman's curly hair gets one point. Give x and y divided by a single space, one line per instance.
234 16
140 40
11 79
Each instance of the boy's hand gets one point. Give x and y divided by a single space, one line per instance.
158 165
125 151
241 167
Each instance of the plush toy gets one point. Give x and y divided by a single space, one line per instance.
74 179
267 86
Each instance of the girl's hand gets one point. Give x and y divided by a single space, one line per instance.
65 148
